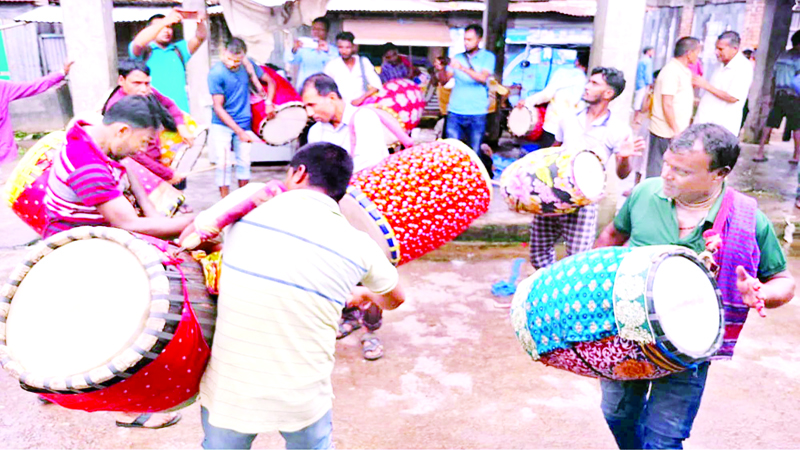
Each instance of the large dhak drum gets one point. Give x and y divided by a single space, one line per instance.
618 313
526 122
290 115
417 200
99 319
176 154
25 189
553 181
405 99
163 195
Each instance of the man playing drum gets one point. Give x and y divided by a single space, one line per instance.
689 202
85 188
597 129
290 267
134 79
339 123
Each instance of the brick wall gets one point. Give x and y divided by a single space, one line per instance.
687 16
754 18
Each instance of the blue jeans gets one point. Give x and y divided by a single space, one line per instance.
317 436
661 420
220 141
468 129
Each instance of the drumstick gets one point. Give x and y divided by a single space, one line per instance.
205 169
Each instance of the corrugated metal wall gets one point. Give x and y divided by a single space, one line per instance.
660 32
710 21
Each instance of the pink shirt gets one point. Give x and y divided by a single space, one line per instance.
81 178
150 157
10 91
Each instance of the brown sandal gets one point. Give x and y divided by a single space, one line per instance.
371 347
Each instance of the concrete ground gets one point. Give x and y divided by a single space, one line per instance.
454 375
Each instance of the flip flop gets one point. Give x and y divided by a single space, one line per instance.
760 160
142 419
371 347
347 327
793 162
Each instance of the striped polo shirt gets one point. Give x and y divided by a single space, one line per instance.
81 178
288 269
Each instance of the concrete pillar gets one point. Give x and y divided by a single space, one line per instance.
774 36
197 68
495 19
618 26
92 44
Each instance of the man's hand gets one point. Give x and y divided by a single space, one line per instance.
456 65
297 46
67 66
631 146
177 178
172 18
322 46
185 134
520 104
269 110
244 136
361 297
358 102
750 288
699 82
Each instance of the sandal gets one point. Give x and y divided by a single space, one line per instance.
761 159
371 347
347 327
140 421
793 162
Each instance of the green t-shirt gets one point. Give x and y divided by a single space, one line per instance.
167 72
649 218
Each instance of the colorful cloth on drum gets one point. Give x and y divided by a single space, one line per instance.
736 220
405 98
81 178
570 301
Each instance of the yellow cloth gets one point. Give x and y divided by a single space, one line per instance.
675 79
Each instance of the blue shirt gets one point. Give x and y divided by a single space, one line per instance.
235 87
469 97
644 72
311 61
167 72
786 68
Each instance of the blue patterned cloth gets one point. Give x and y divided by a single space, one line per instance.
571 301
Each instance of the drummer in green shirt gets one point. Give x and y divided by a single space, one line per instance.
691 205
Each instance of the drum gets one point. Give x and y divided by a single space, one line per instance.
392 126
290 115
526 122
618 313
403 97
186 156
24 191
164 196
60 336
553 181
417 200
171 142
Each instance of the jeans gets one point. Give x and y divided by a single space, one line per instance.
468 129
220 140
661 420
317 436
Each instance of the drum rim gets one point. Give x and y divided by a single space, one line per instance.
158 321
575 183
646 334
475 159
380 220
530 114
279 108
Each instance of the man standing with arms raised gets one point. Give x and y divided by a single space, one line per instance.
673 102
723 101
469 100
311 60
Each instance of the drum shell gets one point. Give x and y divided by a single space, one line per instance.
565 316
163 195
285 97
168 374
405 99
429 194
535 130
544 183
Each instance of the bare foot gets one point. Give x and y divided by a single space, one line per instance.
487 150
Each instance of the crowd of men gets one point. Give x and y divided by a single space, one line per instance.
258 382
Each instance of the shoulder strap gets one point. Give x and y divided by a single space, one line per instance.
180 56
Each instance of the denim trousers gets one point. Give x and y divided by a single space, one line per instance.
654 413
317 436
468 129
221 140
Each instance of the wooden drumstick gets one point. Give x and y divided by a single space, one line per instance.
205 169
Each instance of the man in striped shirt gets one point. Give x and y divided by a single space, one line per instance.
86 181
290 267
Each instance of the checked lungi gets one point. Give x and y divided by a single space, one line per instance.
578 231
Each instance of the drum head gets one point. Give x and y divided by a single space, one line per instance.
74 311
187 157
360 219
286 126
520 121
688 311
589 175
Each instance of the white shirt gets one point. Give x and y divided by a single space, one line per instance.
603 136
288 270
733 78
351 82
370 146
563 96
